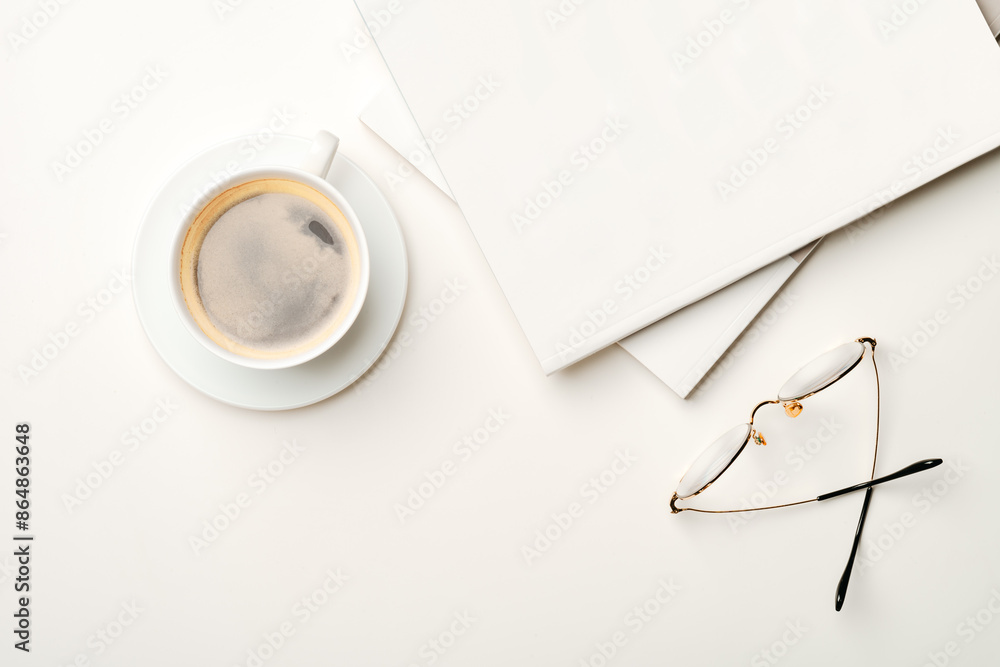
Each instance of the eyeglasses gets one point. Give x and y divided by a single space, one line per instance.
811 379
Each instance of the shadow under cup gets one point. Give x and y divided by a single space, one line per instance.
272 271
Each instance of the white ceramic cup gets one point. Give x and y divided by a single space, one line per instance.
312 172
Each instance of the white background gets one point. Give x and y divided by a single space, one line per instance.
741 587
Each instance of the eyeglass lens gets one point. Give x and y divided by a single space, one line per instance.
713 461
822 371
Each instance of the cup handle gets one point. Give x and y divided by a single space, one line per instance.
320 156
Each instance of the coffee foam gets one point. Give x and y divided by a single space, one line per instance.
269 268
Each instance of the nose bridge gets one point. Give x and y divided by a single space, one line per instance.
759 406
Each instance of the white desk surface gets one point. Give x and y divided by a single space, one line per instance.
318 563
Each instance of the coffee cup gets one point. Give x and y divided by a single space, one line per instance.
273 270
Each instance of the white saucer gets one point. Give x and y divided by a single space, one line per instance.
287 388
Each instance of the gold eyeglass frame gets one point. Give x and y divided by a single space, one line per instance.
793 408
